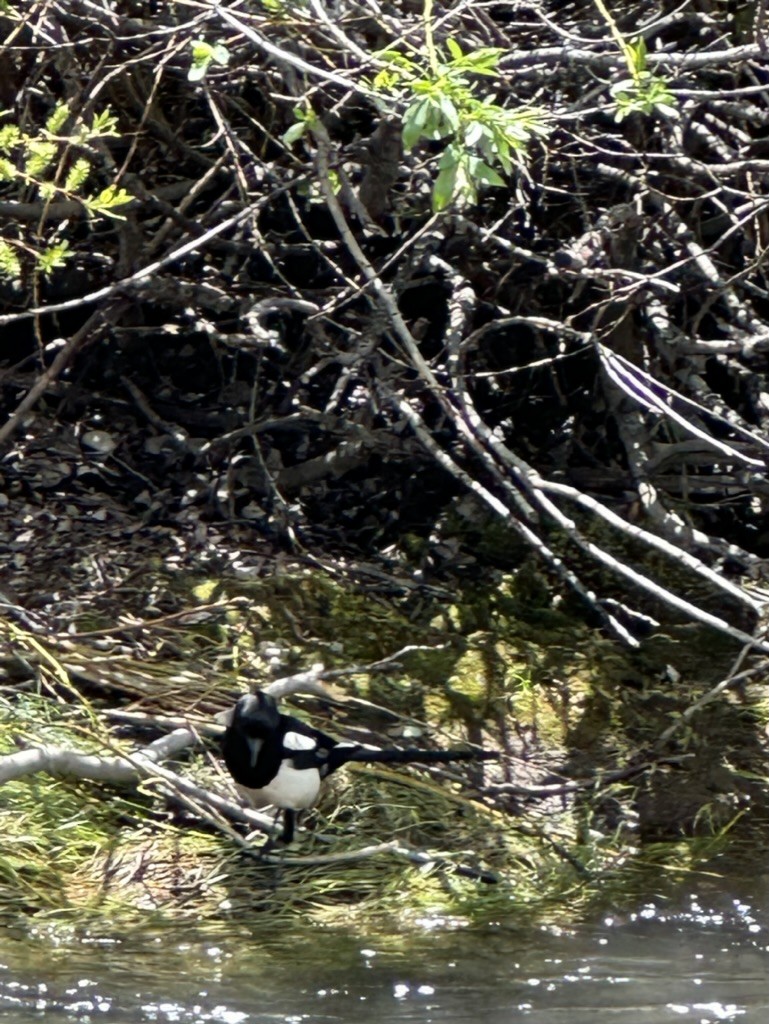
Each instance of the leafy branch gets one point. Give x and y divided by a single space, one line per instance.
643 92
39 161
444 102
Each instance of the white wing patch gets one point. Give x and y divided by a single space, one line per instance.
298 741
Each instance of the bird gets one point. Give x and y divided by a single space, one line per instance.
277 759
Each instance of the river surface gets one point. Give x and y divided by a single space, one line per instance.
704 961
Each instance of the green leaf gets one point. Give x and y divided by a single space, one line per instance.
40 155
198 71
104 124
221 54
666 109
53 257
482 172
445 184
449 113
106 201
77 175
420 112
202 52
57 119
475 134
454 49
10 137
500 154
10 264
637 52
411 132
335 181
397 59
294 133
414 121
203 55
386 80
482 61
436 125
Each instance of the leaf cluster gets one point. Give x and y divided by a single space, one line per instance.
643 92
43 162
203 56
444 102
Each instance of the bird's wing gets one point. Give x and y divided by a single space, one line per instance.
311 748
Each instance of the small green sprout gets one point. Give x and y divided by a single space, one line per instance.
204 55
106 201
53 257
305 116
10 264
643 92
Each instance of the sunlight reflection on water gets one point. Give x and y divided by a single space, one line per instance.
701 964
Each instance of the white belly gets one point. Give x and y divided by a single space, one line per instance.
292 789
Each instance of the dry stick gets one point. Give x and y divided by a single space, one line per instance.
348 45
551 56
404 335
162 621
528 478
624 378
326 859
521 59
668 337
734 677
143 272
701 259
419 857
531 538
128 769
456 347
594 782
742 316
68 209
520 469
639 385
652 539
185 730
285 56
642 581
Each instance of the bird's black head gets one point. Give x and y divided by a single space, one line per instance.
255 719
255 715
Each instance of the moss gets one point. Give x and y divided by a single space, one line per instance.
564 701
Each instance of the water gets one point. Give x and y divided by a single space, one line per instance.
707 961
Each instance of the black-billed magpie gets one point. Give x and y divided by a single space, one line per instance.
278 759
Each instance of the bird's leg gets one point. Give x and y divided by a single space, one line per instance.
272 841
289 825
286 836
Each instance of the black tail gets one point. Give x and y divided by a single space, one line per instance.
343 755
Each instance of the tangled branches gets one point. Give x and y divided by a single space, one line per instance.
554 297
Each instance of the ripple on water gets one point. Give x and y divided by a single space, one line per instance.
705 962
